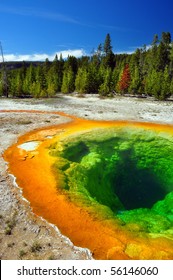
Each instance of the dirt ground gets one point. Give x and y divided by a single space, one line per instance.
23 235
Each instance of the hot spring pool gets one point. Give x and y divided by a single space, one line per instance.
130 171
108 186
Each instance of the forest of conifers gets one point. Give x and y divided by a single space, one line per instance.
147 71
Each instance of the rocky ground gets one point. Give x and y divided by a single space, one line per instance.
23 235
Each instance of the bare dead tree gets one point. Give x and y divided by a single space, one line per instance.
4 74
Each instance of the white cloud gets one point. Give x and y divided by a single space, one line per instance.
124 52
26 11
43 56
131 50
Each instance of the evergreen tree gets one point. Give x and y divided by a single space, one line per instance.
71 62
83 62
12 83
171 87
92 79
107 48
166 38
19 84
51 89
97 56
135 85
4 82
68 83
46 66
155 40
134 61
99 53
144 63
153 83
29 80
162 57
1 85
171 60
145 71
107 86
165 86
81 80
40 82
153 55
156 90
56 70
35 89
115 78
108 56
52 82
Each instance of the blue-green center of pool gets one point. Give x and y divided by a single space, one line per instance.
125 173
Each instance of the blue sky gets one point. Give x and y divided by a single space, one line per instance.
37 29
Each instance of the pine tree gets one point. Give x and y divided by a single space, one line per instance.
162 57
46 66
171 60
68 83
92 79
71 62
165 86
107 48
81 80
166 38
145 71
171 87
107 86
153 54
40 77
1 85
29 80
158 78
52 82
35 89
153 83
135 82
19 84
12 83
51 90
115 78
164 51
134 61
108 56
56 70
155 40
99 53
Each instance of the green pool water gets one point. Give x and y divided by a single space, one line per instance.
122 173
